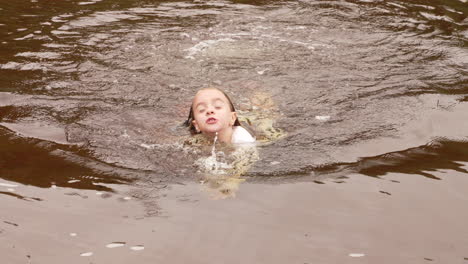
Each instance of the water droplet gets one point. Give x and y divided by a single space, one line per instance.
115 244
86 254
137 248
356 255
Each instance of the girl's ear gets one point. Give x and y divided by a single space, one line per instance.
233 118
194 122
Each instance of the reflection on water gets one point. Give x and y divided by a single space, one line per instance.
114 78
40 163
424 160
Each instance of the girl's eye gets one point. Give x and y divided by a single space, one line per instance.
201 110
218 107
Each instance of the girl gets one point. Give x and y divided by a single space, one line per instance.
212 112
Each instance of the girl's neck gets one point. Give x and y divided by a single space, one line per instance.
224 135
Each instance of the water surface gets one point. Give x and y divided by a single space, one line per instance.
109 83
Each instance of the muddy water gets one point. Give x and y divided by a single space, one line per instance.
93 95
115 78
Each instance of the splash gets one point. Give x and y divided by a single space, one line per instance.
223 169
212 165
213 152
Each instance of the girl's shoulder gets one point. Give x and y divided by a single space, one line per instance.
241 135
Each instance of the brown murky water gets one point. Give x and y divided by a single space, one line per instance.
93 95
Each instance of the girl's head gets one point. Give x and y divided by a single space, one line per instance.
212 111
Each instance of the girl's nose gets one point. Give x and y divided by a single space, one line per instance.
209 112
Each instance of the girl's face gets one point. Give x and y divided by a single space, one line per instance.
212 112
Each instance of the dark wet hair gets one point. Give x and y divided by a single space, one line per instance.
189 122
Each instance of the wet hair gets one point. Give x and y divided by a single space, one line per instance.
189 122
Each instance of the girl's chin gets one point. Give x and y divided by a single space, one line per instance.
213 130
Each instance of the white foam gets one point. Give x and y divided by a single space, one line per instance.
32 67
101 18
212 165
73 181
356 255
115 245
162 146
148 146
137 248
397 5
204 45
64 27
10 66
25 37
86 254
125 134
61 32
58 19
39 55
435 17
8 185
322 118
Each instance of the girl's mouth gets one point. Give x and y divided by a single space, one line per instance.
211 120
